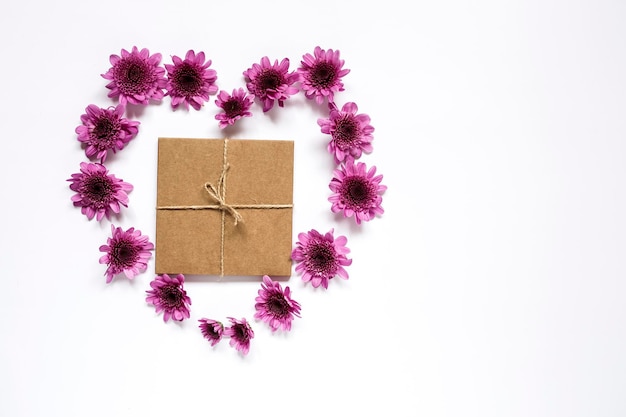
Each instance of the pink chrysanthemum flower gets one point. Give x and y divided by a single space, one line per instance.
234 106
321 257
351 132
105 130
136 77
98 193
321 73
168 295
356 191
212 330
126 251
190 81
271 83
240 334
275 306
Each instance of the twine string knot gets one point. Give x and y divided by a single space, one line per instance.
219 195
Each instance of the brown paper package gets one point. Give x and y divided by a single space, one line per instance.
195 236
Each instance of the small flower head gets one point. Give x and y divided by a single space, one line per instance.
190 81
321 257
126 251
98 193
357 191
212 330
351 132
234 106
271 82
275 306
321 74
168 295
136 77
104 130
240 334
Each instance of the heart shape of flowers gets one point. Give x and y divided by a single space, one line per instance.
138 77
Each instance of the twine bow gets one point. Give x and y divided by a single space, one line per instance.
219 194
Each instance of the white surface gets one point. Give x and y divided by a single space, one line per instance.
493 285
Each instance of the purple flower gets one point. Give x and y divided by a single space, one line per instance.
351 132
321 257
240 334
321 73
98 193
168 295
275 306
211 330
190 81
126 251
356 191
271 83
234 106
105 130
136 77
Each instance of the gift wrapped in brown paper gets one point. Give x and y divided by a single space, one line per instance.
224 207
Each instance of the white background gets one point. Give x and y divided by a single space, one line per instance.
493 285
